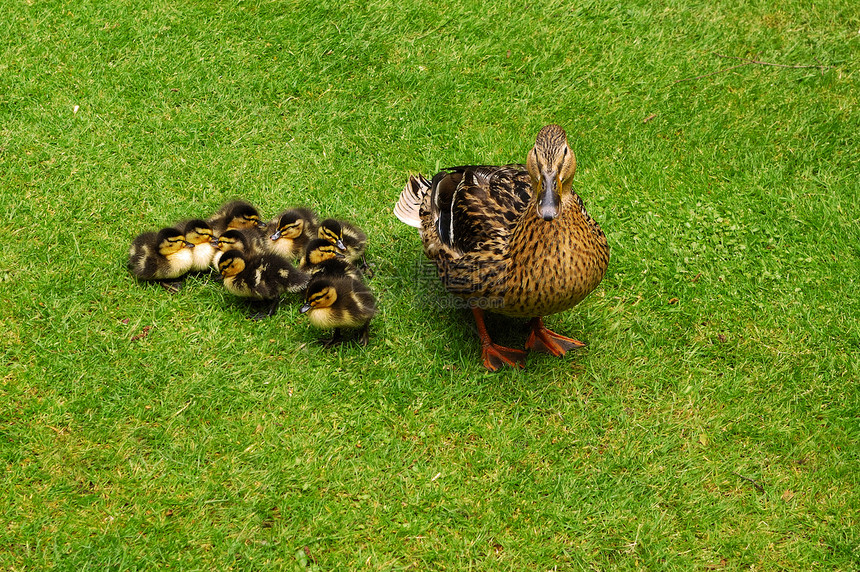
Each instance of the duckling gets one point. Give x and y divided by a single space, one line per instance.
291 231
199 233
349 239
235 215
323 258
261 278
163 256
340 302
246 240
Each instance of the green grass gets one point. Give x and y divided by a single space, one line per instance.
712 423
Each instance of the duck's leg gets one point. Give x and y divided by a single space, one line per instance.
494 355
542 339
364 335
336 339
172 286
265 309
365 268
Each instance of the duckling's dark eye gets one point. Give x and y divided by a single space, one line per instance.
564 153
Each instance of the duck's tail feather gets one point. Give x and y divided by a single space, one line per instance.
407 208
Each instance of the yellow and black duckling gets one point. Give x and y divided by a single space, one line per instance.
237 214
199 233
260 278
163 256
247 240
514 239
291 231
324 258
349 239
340 303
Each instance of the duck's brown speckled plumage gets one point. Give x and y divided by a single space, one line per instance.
499 244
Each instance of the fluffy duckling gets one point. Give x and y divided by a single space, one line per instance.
340 302
164 256
291 231
235 215
247 240
261 278
199 233
350 239
323 258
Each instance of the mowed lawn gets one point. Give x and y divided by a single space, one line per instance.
712 422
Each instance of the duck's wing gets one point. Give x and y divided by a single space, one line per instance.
473 205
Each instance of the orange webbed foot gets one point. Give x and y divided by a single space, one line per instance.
496 356
542 339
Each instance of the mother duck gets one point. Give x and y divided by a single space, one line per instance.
512 239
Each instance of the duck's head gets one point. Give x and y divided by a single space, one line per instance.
321 294
232 263
170 241
231 240
198 232
551 164
243 215
291 225
319 250
332 231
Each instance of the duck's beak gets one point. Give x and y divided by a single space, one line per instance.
189 244
340 245
277 235
304 308
549 201
214 242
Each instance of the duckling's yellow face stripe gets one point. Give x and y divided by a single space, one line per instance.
243 221
292 230
322 299
225 244
328 234
322 253
171 245
231 267
199 236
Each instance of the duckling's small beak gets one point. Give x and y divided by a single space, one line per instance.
214 242
304 308
340 244
549 202
261 225
276 236
189 244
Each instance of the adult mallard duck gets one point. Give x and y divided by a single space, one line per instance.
512 239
